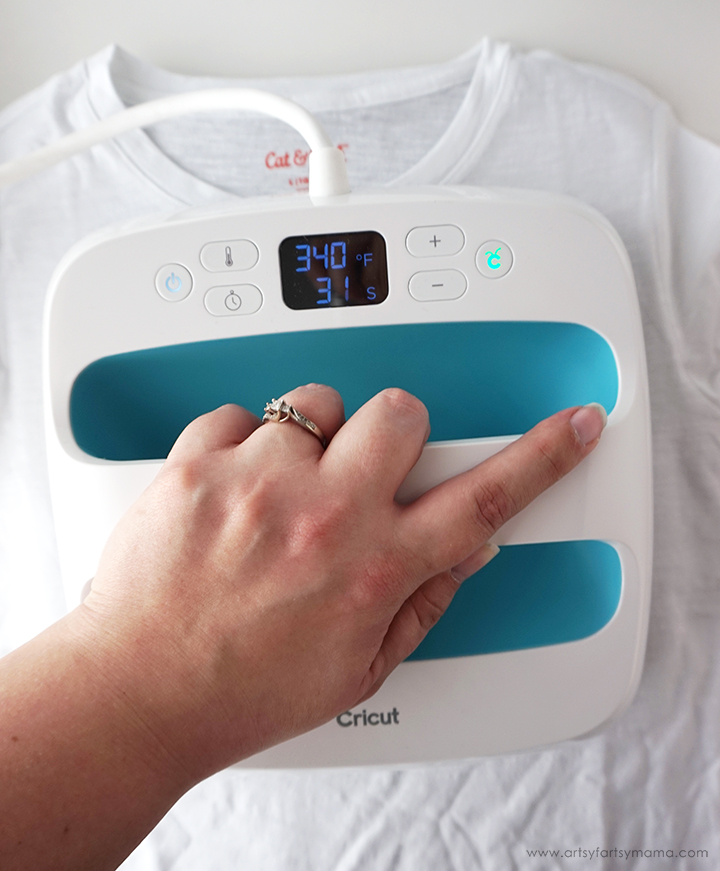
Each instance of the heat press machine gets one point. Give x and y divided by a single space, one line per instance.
497 308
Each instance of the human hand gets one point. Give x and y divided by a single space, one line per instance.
261 585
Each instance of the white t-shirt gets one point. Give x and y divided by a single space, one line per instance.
492 117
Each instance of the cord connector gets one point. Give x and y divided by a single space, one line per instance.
327 173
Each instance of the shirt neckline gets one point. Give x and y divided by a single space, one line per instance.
115 77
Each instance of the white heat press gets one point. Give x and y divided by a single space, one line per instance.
496 308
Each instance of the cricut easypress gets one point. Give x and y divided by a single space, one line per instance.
496 308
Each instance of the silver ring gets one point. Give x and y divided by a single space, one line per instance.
278 411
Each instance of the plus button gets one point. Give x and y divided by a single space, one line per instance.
438 240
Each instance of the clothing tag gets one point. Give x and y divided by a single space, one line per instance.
293 163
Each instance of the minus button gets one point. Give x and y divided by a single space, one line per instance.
437 285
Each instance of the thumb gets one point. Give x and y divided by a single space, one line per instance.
419 613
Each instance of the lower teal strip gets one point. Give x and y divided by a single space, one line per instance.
530 595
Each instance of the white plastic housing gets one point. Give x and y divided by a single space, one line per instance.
570 266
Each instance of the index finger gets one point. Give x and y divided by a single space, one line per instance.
454 519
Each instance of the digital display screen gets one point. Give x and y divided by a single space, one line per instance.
333 269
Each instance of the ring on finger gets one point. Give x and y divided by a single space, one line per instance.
278 411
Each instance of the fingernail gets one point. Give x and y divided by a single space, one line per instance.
474 562
589 422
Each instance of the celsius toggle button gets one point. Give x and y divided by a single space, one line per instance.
239 299
494 258
173 282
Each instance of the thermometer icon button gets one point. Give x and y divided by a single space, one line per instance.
232 255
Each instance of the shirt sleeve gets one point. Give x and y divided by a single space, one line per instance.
694 220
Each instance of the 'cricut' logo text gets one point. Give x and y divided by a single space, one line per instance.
374 718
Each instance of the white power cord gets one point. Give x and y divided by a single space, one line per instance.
327 169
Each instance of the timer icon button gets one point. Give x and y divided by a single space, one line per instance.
173 282
494 258
240 299
233 301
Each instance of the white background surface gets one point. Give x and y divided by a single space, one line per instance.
673 46
651 780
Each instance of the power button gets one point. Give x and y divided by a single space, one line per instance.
173 282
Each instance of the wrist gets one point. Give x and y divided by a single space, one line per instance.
85 777
161 678
135 692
